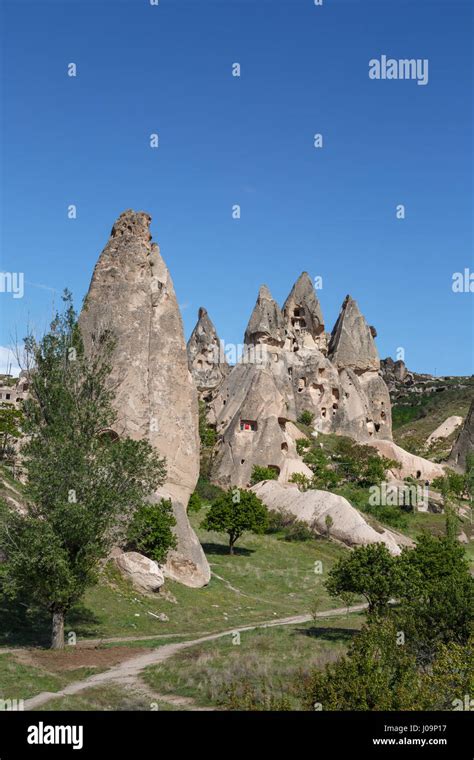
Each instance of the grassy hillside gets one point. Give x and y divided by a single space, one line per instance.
415 415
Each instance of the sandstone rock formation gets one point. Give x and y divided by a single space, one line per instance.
145 574
286 370
132 294
445 429
409 465
312 507
464 443
206 358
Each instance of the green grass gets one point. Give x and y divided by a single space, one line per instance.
273 659
106 698
19 681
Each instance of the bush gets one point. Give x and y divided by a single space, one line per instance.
302 444
262 473
150 530
195 502
306 418
207 490
287 524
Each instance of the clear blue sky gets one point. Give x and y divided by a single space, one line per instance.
248 141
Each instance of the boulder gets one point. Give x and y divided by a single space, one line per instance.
312 507
145 574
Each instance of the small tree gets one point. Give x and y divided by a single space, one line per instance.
262 473
234 513
80 479
368 570
329 522
151 530
195 502
306 418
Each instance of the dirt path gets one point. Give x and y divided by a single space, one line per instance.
128 671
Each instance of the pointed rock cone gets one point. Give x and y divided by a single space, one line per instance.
206 358
266 321
352 345
132 295
301 310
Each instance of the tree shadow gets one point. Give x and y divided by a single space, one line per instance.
223 549
25 625
342 635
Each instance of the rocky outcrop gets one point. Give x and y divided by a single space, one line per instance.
132 295
145 574
444 430
313 507
206 358
266 322
352 345
408 465
464 443
285 371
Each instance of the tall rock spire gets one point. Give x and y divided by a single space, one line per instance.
206 358
352 345
266 321
132 295
302 313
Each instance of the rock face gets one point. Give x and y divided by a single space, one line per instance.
145 574
312 507
409 465
445 429
464 443
286 370
352 345
131 294
206 358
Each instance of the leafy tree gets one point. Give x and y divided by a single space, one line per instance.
376 674
235 512
302 481
150 530
79 479
11 420
435 593
369 571
262 473
306 418
361 464
195 502
325 475
329 522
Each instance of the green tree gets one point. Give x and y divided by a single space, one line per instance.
262 473
369 571
195 502
150 530
306 418
11 420
235 512
207 434
80 478
435 593
329 522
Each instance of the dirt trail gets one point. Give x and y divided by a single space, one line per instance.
128 671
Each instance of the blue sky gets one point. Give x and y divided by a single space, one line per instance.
224 140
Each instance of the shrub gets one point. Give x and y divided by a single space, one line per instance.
195 502
262 473
306 417
150 530
302 444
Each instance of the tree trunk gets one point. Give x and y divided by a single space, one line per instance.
57 637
